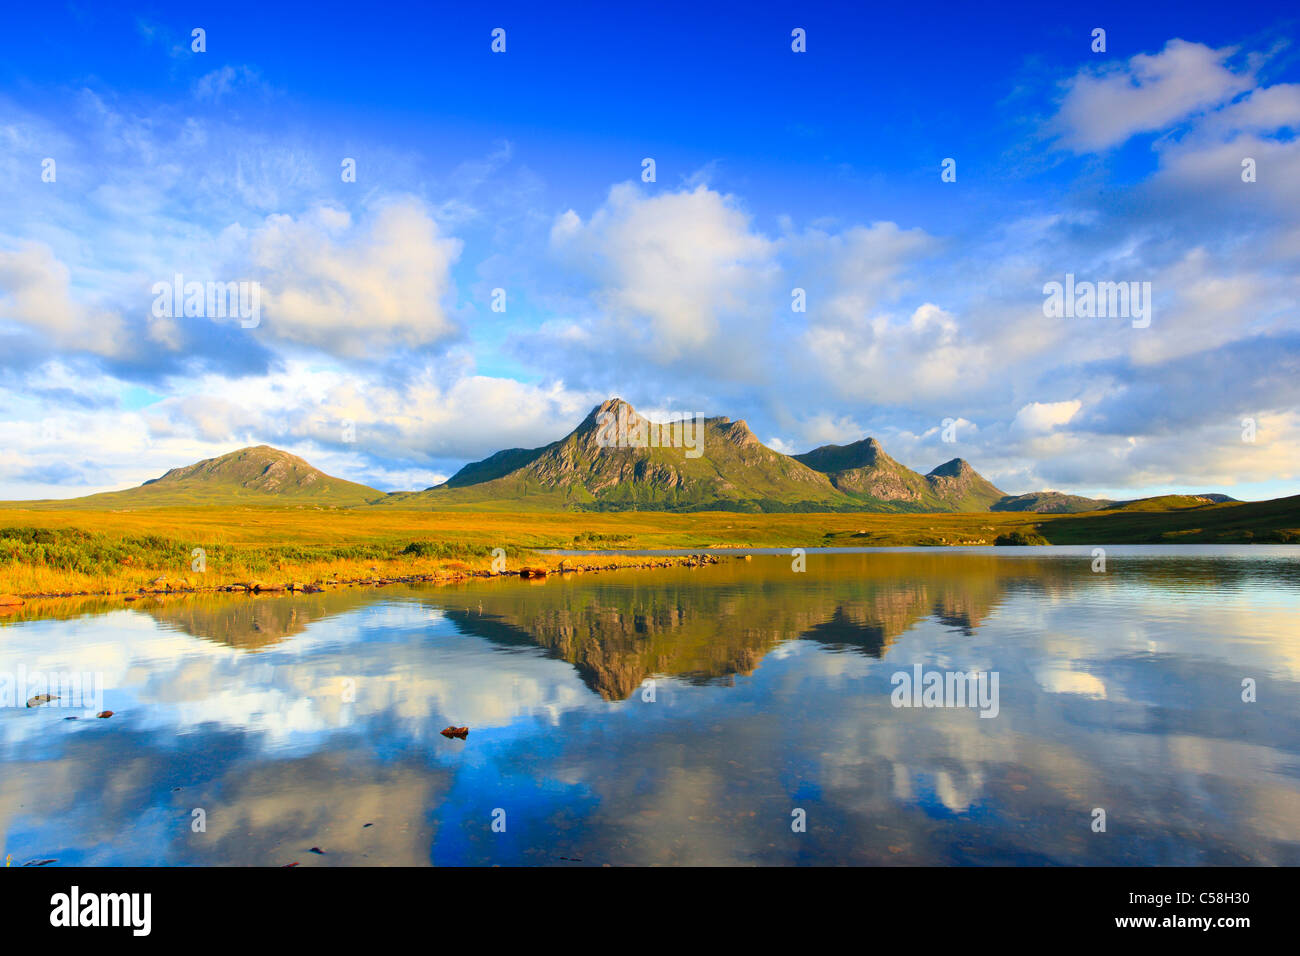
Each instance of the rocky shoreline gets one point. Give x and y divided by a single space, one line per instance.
565 566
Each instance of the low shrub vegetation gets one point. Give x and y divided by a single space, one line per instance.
1020 538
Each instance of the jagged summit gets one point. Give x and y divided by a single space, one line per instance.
957 482
954 468
860 454
618 459
738 433
864 468
611 406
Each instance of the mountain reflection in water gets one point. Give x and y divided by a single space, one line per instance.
679 716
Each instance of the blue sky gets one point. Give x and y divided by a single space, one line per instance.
776 170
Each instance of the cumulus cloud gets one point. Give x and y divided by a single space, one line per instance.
819 428
1264 110
1038 417
1211 455
354 289
684 283
671 269
1206 306
849 273
36 293
882 357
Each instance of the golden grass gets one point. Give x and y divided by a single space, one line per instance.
279 546
98 552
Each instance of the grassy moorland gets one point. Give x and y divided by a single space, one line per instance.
75 551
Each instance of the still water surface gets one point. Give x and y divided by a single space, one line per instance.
679 717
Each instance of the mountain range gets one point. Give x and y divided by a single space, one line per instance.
709 464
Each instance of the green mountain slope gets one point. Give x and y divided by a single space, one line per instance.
1160 521
863 469
1169 503
1050 503
639 465
962 488
258 475
733 470
494 466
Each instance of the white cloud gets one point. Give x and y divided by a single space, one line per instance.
35 292
1038 417
353 291
672 269
820 428
220 82
1205 165
1207 306
1263 110
1103 108
850 273
880 358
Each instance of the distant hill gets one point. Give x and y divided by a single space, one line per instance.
1058 503
1051 503
1169 502
259 474
1170 519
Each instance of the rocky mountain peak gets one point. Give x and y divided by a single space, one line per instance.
955 468
739 433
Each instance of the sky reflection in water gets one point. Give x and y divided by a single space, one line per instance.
772 691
